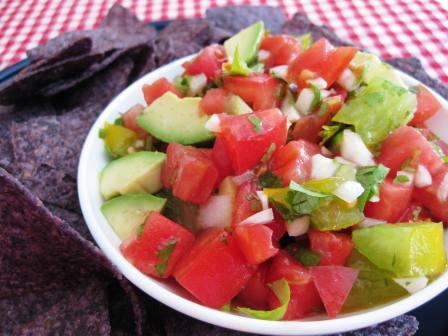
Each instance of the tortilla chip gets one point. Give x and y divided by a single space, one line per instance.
168 50
187 30
405 325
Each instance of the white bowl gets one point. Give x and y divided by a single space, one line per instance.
93 159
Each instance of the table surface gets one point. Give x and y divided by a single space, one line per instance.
391 28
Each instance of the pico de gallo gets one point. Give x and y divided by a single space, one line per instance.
279 177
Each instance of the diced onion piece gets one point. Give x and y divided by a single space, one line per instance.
319 82
244 177
368 222
349 191
412 285
217 212
263 199
298 226
353 149
407 175
289 110
348 80
197 83
374 199
442 192
262 217
279 70
305 100
213 124
322 167
263 55
423 177
325 93
341 160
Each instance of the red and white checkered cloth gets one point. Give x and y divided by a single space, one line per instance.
391 28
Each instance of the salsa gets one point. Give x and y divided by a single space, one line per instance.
279 177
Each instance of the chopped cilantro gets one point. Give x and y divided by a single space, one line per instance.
182 83
139 229
317 95
307 257
323 109
256 122
301 204
297 187
119 121
370 178
255 205
251 196
414 89
401 179
306 41
164 256
102 133
269 180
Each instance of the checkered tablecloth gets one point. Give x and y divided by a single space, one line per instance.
391 28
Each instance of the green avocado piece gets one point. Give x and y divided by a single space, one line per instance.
247 41
174 119
407 250
237 106
125 213
135 173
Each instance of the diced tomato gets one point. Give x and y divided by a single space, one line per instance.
278 227
157 89
394 200
247 137
293 161
255 293
159 246
209 62
246 202
255 241
334 284
427 106
408 144
334 248
221 160
130 120
214 101
261 91
415 212
304 296
340 91
428 197
282 49
323 60
214 270
190 172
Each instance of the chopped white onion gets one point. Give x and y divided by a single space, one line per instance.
322 167
264 200
263 55
216 212
325 93
279 70
442 192
349 191
348 80
374 199
319 82
341 160
262 217
305 100
408 175
412 285
289 110
244 177
353 149
298 226
368 222
423 177
197 83
213 124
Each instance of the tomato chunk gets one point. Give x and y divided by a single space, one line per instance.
247 137
190 172
394 200
246 202
209 62
293 161
214 101
282 49
323 60
415 212
157 89
333 284
214 270
278 227
334 248
255 241
221 159
407 143
159 246
130 120
427 106
255 293
261 91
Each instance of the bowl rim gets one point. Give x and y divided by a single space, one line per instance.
198 311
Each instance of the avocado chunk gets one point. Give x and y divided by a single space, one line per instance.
174 119
407 250
125 213
237 106
247 41
135 173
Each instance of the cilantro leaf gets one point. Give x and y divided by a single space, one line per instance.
269 180
305 41
317 95
370 178
119 121
301 204
297 187
307 257
401 179
256 122
164 255
182 83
